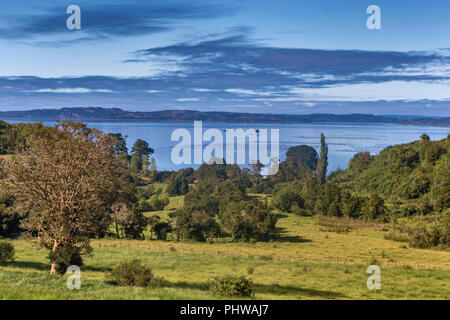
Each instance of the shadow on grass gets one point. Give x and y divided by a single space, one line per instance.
280 215
273 289
27 265
282 237
46 266
278 289
188 285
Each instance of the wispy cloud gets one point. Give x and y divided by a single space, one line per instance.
231 71
187 99
100 22
70 90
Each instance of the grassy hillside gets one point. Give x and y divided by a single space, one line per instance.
301 264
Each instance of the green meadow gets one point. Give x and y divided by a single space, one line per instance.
303 263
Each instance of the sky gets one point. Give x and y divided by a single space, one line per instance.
257 56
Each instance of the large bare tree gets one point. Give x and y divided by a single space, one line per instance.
66 177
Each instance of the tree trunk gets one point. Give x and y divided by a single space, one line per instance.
117 231
53 264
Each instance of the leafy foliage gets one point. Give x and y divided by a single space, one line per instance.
65 256
133 273
7 251
229 286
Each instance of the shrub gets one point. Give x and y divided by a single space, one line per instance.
229 286
65 256
286 198
133 273
397 236
134 225
143 206
162 229
436 236
157 203
249 220
300 211
6 251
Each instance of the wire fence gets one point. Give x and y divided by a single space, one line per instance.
270 256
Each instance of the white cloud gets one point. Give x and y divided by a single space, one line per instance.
188 99
248 92
309 104
202 90
367 92
389 91
71 90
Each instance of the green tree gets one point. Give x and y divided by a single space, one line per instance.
322 164
145 166
162 229
152 222
140 150
134 165
374 207
153 166
193 224
287 197
299 160
177 185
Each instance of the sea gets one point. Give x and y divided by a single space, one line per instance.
344 139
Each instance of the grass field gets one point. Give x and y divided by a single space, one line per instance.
304 263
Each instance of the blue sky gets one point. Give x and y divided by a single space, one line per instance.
287 56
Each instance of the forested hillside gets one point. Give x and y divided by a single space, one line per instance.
416 175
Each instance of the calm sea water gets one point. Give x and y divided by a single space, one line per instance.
344 140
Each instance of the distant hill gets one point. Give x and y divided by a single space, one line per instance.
116 114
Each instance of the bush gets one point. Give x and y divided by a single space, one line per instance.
133 273
286 198
6 251
134 225
162 229
436 236
65 256
229 286
399 237
249 220
157 203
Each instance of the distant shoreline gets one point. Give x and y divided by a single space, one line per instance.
219 122
183 116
